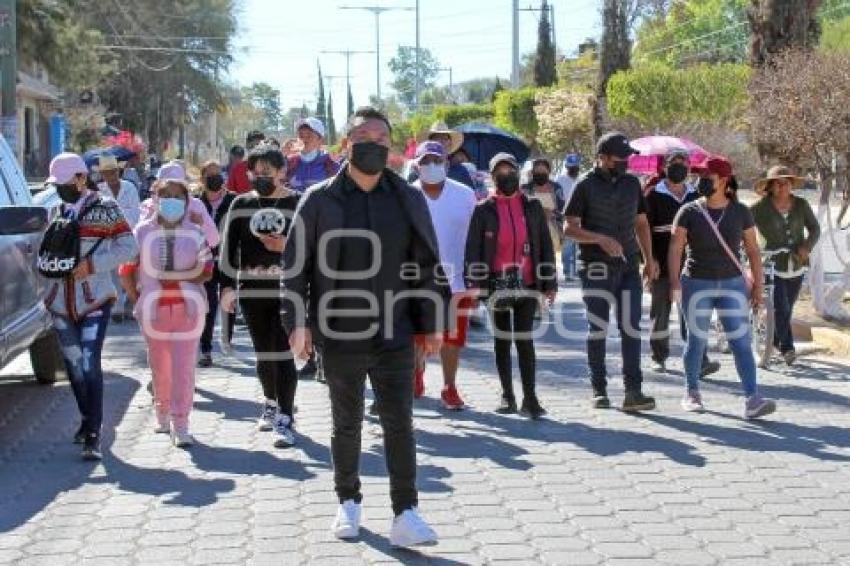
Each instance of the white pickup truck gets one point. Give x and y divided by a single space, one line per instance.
25 324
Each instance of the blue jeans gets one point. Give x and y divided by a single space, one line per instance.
82 344
729 297
568 258
604 285
785 294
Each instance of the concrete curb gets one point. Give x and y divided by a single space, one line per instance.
835 341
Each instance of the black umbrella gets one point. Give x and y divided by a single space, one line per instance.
483 141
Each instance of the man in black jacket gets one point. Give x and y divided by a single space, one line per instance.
361 277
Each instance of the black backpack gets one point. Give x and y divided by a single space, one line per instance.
59 253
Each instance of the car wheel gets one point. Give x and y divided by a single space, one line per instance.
48 365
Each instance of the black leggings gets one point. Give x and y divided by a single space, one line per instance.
275 365
508 323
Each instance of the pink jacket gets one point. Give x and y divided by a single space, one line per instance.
210 230
191 251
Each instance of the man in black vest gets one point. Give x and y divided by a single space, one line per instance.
361 278
606 215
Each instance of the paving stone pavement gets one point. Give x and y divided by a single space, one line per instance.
582 487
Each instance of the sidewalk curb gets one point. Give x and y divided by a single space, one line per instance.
836 341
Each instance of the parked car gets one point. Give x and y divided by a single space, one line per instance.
25 323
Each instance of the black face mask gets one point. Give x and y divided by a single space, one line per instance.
573 172
215 182
68 193
620 168
540 179
677 173
507 183
706 188
369 157
263 185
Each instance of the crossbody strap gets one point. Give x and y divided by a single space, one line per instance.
721 240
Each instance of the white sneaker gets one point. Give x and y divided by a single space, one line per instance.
346 525
284 435
692 402
182 439
266 420
410 529
162 427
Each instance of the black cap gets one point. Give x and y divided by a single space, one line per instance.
615 144
503 157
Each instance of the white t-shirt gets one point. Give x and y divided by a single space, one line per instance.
451 213
128 200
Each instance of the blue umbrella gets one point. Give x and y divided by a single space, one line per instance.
120 153
483 141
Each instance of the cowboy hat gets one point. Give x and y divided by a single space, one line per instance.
107 163
441 128
778 172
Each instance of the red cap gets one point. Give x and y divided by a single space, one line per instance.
716 165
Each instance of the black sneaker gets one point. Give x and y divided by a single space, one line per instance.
80 435
91 447
709 367
531 409
309 370
205 360
637 401
600 400
506 407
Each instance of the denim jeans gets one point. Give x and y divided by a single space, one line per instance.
729 297
785 293
568 258
82 343
391 374
604 285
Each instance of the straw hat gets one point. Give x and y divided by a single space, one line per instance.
778 172
108 163
442 128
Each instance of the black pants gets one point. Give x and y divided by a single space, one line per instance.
213 287
659 314
507 324
392 382
275 365
785 294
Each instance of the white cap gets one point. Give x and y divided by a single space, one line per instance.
313 123
65 167
172 171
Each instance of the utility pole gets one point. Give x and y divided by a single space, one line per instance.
418 59
551 9
9 74
348 53
515 78
377 11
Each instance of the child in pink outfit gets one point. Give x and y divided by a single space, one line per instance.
167 284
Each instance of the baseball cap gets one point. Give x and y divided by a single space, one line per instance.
716 165
503 157
616 144
313 123
434 148
572 160
173 172
64 167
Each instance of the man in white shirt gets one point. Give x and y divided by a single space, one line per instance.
127 196
451 205
568 179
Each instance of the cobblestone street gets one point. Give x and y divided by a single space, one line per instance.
581 487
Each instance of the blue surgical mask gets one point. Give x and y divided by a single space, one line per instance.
433 173
172 209
309 156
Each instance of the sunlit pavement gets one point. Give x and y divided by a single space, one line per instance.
582 487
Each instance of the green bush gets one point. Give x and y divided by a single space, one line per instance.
657 96
514 111
455 115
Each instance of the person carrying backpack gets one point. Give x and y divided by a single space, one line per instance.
87 241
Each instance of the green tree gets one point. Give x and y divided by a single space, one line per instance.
778 25
497 88
514 111
403 67
267 99
544 60
331 126
350 106
321 106
614 53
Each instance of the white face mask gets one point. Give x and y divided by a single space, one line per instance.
432 174
310 155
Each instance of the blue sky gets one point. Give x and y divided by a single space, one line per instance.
471 36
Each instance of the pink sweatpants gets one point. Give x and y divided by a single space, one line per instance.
172 338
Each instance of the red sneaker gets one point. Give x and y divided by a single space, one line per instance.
418 383
451 399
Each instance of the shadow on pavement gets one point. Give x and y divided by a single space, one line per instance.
408 557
